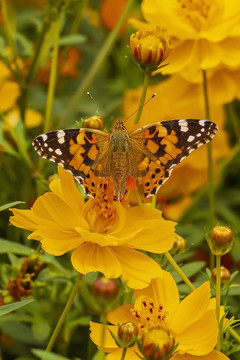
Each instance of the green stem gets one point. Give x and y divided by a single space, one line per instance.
17 141
103 334
64 313
143 96
124 351
154 201
9 35
234 334
53 75
33 69
234 119
210 166
102 55
218 297
179 271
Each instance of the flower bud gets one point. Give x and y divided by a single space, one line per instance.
31 265
94 122
158 343
105 292
220 240
150 48
225 276
179 243
127 334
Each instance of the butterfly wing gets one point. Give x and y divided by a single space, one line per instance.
158 147
82 152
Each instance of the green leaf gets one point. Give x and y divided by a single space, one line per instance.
189 270
11 204
42 354
18 331
7 246
6 309
41 329
73 39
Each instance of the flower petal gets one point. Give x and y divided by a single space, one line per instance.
146 229
92 257
213 355
195 305
96 335
137 269
205 330
163 291
24 219
121 314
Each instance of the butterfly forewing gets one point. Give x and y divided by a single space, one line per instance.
164 145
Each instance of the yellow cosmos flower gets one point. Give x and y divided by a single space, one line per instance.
204 33
175 101
102 234
32 118
192 322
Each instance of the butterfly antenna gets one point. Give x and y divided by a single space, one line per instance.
101 108
153 95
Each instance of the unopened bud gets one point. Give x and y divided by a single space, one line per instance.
94 122
220 240
158 343
105 291
127 334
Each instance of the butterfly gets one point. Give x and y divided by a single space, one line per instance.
148 153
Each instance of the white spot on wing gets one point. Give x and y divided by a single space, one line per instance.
191 138
61 136
58 152
202 122
44 137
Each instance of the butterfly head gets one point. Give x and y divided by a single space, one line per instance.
119 125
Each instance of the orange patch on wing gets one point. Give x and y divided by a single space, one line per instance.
93 152
170 148
162 131
85 169
81 138
75 148
152 146
144 164
172 137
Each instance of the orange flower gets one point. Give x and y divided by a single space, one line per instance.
110 12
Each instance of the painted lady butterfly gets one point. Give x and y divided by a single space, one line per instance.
148 153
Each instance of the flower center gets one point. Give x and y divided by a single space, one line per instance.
148 315
199 12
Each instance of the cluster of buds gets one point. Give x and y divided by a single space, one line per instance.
150 48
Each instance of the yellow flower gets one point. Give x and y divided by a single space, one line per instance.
150 48
102 234
192 322
174 101
204 33
32 118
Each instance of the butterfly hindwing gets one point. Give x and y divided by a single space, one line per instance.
164 145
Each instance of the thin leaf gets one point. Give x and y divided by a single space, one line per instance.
73 39
7 246
42 354
6 309
11 204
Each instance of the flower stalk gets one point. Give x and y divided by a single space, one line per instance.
124 351
53 75
143 96
64 313
179 271
209 147
94 69
218 296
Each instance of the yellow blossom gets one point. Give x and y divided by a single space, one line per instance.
102 234
174 101
205 33
150 48
32 118
192 323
